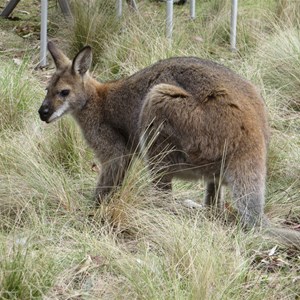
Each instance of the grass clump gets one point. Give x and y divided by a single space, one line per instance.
67 148
93 24
36 177
25 272
280 57
18 90
288 11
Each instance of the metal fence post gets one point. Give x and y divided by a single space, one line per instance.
119 8
233 25
9 8
65 7
169 20
193 9
43 37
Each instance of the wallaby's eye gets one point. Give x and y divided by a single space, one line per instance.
64 93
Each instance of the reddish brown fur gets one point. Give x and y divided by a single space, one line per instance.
195 118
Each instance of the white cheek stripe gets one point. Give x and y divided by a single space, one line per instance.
61 110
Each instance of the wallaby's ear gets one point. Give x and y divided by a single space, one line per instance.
83 61
60 60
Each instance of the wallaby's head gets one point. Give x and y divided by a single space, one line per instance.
66 91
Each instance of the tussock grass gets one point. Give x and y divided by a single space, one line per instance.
288 11
67 148
141 43
142 244
16 94
93 23
280 57
35 177
25 273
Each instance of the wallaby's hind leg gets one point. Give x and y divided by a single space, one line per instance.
160 139
214 195
248 188
162 182
250 205
159 164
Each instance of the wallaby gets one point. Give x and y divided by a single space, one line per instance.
195 119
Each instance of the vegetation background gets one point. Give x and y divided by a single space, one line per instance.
53 245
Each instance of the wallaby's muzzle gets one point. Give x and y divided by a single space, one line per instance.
50 112
46 111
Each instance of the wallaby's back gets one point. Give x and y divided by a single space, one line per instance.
203 79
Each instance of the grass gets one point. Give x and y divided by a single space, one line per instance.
143 245
20 278
93 24
16 94
280 57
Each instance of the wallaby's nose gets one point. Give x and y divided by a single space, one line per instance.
44 112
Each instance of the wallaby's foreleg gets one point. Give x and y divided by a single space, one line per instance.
111 176
110 148
214 195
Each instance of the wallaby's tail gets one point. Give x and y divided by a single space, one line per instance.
285 236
